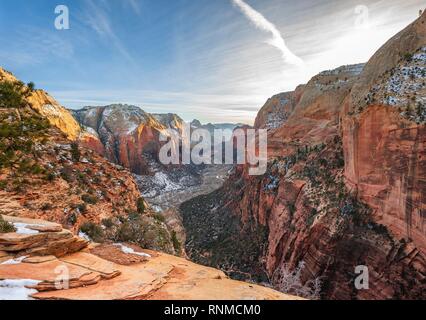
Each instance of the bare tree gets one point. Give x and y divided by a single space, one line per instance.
290 282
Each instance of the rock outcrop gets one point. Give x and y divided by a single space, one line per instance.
37 238
52 264
127 133
169 121
48 107
276 110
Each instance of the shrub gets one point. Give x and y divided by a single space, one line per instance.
176 243
50 176
3 184
18 140
89 199
107 223
159 217
94 231
408 57
82 207
46 207
311 218
67 174
13 94
140 204
72 219
75 152
145 233
132 215
130 232
6 227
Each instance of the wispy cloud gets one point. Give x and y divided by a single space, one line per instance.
262 23
134 5
96 16
34 45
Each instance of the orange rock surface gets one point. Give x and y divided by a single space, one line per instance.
89 277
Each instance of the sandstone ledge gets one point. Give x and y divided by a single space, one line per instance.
106 272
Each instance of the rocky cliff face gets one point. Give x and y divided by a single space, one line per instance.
316 114
44 104
127 133
276 110
169 121
32 257
383 124
344 186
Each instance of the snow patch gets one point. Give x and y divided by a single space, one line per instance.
84 236
14 261
91 131
22 228
354 69
17 289
128 250
132 127
160 181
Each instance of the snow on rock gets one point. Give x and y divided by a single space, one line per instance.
128 250
354 69
160 181
22 228
132 127
404 87
421 56
14 261
17 289
91 131
275 120
84 236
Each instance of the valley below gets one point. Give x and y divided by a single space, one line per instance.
168 190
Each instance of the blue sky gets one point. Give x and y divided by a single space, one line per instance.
204 59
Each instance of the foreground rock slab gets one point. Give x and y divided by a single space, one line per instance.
53 264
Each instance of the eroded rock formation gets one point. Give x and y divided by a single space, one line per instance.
127 133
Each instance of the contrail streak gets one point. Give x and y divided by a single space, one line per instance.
262 23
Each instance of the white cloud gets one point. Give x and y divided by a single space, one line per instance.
262 23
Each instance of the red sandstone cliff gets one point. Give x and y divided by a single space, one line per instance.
127 133
384 134
345 184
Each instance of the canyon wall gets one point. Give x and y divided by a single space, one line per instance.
345 185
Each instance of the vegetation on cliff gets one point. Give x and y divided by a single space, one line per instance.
61 180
